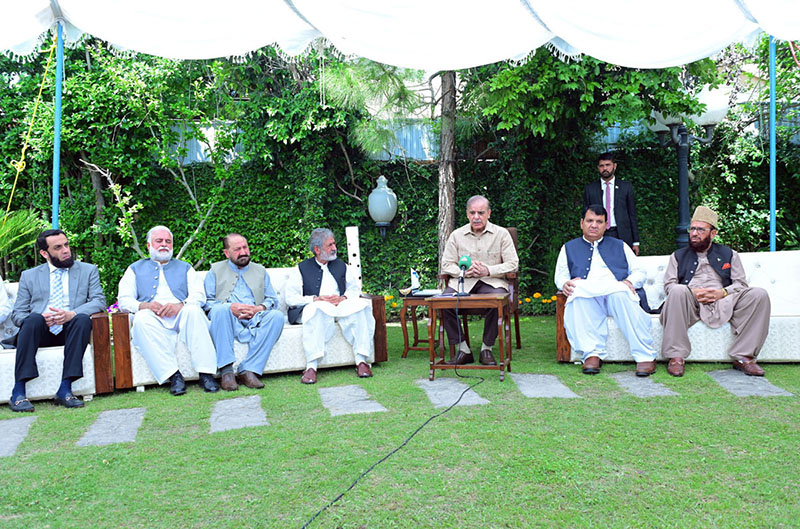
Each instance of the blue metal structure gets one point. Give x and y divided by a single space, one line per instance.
772 183
57 124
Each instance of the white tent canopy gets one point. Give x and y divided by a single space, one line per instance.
423 34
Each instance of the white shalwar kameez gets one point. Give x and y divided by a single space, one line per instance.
354 315
598 296
156 337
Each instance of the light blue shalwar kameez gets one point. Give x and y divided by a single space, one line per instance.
260 333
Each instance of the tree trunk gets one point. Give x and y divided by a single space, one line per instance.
99 201
447 164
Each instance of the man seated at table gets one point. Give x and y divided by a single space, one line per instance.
322 291
166 297
491 250
600 276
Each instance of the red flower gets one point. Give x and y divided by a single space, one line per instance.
726 266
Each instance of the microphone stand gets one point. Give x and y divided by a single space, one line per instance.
461 292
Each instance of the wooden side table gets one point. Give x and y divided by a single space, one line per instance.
410 303
474 301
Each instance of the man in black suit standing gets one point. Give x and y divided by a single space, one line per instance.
54 304
617 197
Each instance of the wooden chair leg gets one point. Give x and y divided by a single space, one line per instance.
516 329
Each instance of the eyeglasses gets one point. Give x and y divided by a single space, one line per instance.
698 229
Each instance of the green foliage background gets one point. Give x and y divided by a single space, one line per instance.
293 171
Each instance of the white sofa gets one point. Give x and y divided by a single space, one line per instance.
776 272
287 355
50 361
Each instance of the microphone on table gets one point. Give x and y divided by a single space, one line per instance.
464 263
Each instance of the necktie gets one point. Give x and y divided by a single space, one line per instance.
57 295
608 205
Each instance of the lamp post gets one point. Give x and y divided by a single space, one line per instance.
382 204
672 131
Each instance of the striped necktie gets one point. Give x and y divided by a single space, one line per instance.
608 205
57 295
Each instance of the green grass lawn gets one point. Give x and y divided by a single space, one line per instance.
702 459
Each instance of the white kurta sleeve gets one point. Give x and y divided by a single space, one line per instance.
636 274
127 292
562 269
197 291
294 290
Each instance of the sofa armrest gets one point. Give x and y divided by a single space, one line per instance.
101 345
379 340
563 353
121 328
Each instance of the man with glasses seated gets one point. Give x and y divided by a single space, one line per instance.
706 281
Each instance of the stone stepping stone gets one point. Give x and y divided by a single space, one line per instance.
742 385
443 392
14 432
346 400
114 426
242 412
642 386
542 386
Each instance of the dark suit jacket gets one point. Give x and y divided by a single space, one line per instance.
624 207
85 293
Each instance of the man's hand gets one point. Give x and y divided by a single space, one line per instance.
244 311
169 310
165 310
333 299
569 286
57 316
478 269
636 250
629 285
708 295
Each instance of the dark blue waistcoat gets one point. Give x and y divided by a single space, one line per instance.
311 272
580 251
579 259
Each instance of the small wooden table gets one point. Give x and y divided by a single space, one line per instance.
410 303
474 301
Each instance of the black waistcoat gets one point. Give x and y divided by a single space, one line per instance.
311 272
719 257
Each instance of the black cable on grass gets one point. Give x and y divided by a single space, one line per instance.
404 443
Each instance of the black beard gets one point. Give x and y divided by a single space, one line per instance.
242 261
700 246
58 263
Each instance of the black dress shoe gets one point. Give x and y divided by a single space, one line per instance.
208 383
487 359
461 359
20 404
68 401
177 385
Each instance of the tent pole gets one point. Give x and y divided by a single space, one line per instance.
772 191
57 123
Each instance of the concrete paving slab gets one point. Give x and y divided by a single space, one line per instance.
241 412
542 386
114 426
443 392
742 385
642 386
14 432
346 400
